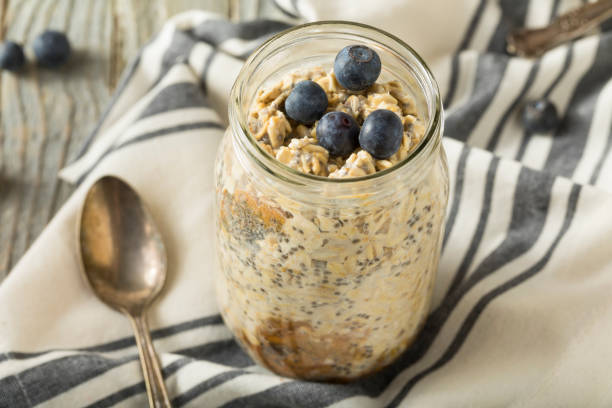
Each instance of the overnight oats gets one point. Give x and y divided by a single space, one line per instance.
331 190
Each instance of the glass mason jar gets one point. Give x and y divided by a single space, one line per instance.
321 278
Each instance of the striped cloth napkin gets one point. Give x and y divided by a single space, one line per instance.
522 312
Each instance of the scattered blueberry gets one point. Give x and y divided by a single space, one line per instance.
338 133
51 48
306 103
357 67
381 133
540 116
11 56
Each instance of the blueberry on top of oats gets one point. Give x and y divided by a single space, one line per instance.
357 67
307 102
338 133
381 133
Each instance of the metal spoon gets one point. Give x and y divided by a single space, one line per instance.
125 262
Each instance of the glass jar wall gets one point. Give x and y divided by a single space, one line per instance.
320 278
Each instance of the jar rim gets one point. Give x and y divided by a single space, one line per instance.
429 142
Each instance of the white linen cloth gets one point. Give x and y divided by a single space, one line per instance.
522 312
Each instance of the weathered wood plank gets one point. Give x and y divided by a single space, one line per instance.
17 130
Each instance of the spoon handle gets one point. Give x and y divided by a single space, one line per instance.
577 22
156 389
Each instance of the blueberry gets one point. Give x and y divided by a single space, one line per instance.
381 133
51 48
338 133
11 56
357 67
540 116
306 103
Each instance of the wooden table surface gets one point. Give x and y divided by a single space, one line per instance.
45 115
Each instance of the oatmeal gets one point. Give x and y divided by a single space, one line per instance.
318 279
295 144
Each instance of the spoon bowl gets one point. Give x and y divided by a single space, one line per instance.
124 260
123 253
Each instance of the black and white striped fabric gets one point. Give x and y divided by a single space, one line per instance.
522 311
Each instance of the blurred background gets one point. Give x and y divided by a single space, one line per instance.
46 114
